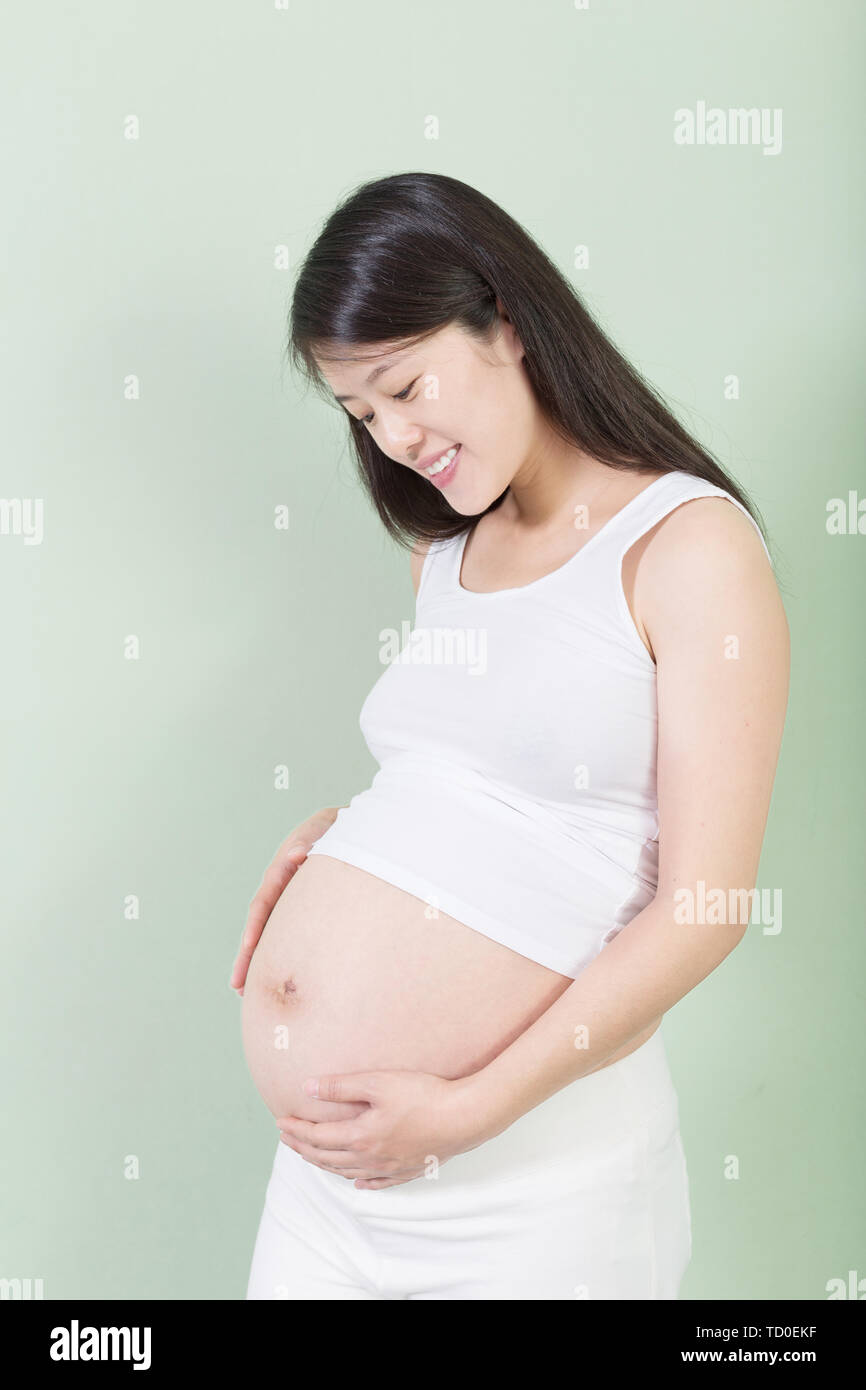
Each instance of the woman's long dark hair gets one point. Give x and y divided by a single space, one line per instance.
404 256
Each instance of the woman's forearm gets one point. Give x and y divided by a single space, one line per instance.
652 963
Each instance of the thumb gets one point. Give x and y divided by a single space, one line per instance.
357 1085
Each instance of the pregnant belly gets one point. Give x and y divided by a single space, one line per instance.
352 974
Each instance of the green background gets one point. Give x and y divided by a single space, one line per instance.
156 257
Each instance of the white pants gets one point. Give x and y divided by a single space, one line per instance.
586 1196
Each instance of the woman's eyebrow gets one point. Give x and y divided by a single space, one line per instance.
377 372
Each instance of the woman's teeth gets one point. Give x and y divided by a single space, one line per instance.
442 462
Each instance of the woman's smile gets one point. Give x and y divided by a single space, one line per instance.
442 471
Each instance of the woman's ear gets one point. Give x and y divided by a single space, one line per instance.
509 332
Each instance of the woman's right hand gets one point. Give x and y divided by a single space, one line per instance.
284 865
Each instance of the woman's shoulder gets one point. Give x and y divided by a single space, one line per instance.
707 556
715 520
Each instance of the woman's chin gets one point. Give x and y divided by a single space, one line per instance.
471 501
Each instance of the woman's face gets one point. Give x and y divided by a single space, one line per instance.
449 390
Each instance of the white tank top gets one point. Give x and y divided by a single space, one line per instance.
515 734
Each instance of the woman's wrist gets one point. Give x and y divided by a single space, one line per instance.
481 1111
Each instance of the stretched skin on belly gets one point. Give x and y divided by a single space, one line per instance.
352 974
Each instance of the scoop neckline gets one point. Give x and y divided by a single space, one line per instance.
533 583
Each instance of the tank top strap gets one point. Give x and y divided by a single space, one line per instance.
651 505
436 571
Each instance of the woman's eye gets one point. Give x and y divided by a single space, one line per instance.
401 396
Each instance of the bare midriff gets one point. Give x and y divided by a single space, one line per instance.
353 974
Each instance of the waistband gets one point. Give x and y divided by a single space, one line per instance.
593 1130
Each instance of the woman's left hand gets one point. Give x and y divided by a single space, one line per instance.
413 1122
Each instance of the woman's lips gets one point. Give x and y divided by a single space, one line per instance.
444 478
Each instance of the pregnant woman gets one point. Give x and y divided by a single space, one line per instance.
452 987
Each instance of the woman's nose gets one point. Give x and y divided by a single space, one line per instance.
401 437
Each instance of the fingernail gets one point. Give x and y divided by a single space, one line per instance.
311 1088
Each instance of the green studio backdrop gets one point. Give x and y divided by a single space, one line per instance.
166 167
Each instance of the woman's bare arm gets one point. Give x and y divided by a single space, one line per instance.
709 602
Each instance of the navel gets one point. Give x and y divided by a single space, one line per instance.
285 990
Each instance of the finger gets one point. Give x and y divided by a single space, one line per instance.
276 877
350 1174
348 1086
321 1134
337 1159
385 1182
346 1170
260 910
281 868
